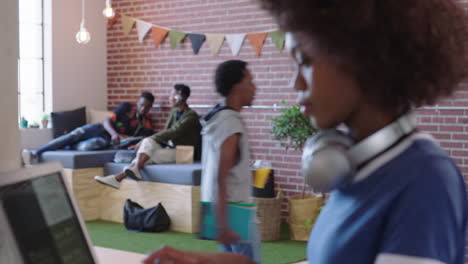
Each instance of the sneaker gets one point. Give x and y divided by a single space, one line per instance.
28 157
133 173
108 180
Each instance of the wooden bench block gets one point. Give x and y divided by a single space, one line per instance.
97 201
86 190
180 201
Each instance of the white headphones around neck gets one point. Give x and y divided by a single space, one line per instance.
330 158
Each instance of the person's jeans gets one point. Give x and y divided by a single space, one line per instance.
87 137
251 249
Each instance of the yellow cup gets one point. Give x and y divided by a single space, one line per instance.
261 177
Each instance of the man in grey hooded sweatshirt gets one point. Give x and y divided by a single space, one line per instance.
226 176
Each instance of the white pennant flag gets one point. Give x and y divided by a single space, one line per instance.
235 42
142 29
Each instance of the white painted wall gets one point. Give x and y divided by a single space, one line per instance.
77 74
9 132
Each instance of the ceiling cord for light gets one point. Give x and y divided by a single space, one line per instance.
83 36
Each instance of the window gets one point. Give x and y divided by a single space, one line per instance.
31 60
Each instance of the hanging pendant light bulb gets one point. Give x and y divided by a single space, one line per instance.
83 36
108 11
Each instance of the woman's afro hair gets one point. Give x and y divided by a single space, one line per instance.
403 52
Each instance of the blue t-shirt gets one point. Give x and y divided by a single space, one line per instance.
410 208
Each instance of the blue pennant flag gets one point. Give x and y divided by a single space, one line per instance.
197 41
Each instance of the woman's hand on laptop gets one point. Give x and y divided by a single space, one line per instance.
168 255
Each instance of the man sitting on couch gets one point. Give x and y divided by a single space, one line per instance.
127 120
182 128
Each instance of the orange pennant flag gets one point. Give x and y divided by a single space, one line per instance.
257 40
159 34
111 21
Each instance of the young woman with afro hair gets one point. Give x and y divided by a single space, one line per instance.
365 64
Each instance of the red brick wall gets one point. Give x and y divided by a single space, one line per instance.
134 67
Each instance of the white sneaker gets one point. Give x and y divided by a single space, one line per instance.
29 158
133 173
108 180
26 156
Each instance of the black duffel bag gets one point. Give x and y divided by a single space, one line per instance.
153 219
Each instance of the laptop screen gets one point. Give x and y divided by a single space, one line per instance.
41 221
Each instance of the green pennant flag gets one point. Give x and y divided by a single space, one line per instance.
278 38
176 37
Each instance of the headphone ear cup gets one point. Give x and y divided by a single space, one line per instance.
325 160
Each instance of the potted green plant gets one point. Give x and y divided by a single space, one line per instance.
23 122
45 119
291 128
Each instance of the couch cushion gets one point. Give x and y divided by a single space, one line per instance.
64 122
185 174
73 159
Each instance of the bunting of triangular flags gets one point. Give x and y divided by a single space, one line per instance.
197 41
278 39
127 24
257 40
142 29
235 42
159 34
215 41
176 37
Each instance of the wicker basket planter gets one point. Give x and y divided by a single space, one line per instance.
269 216
303 211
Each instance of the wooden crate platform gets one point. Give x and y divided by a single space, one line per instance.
97 201
86 190
180 202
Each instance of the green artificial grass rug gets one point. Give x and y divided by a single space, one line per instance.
114 235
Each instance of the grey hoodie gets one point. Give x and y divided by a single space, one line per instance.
216 129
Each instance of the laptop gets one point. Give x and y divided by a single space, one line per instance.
39 220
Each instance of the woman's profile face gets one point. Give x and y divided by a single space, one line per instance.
326 93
